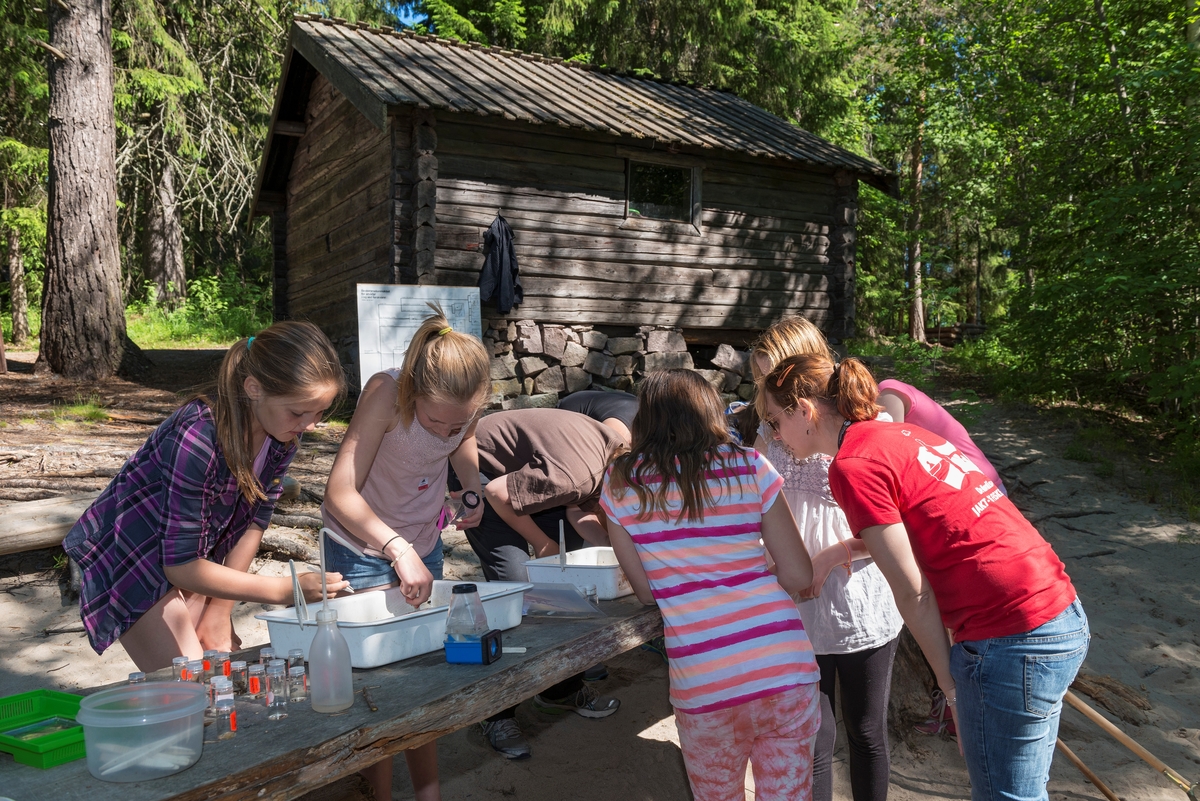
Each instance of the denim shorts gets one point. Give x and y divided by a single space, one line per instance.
367 571
1010 692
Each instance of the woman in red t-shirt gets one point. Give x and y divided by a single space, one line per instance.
958 555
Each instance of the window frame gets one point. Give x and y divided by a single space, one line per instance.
667 160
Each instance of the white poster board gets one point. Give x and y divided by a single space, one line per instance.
389 315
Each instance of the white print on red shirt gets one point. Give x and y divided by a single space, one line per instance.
951 469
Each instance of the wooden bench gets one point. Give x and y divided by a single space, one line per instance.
419 700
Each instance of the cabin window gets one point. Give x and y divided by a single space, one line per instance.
660 192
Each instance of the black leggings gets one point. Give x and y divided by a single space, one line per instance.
865 680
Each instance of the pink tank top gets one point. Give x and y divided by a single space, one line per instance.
924 412
406 485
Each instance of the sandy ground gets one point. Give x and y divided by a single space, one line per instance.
1136 567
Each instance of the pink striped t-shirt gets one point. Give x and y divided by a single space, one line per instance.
733 634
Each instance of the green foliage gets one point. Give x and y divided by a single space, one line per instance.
35 323
216 313
898 357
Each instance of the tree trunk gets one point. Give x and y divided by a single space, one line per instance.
1119 85
16 277
83 323
164 240
916 314
979 275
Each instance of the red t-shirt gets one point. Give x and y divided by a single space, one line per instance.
992 573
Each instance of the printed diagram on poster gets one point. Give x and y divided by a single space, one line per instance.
389 315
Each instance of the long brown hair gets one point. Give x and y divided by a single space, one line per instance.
287 358
677 435
444 365
849 386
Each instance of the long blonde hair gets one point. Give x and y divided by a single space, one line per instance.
444 365
288 358
791 336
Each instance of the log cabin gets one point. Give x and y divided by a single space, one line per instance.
634 202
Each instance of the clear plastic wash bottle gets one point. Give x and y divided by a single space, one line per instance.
330 682
466 618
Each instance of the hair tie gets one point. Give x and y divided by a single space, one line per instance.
445 331
249 342
783 375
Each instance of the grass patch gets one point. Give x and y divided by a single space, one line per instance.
82 410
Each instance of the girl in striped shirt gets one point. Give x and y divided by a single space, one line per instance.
689 515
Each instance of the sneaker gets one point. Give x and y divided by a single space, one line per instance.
657 645
587 702
596 673
505 736
940 720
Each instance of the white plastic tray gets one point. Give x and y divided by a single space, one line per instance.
380 627
587 566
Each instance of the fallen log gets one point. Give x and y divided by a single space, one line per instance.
288 547
41 524
296 521
1115 696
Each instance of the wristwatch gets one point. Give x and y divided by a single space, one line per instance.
470 499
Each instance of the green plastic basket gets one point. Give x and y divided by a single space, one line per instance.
26 709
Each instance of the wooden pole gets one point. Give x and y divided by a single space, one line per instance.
1086 771
1125 740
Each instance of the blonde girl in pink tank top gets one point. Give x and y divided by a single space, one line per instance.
385 494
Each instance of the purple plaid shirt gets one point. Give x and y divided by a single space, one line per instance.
173 502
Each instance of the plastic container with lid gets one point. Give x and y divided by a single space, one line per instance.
143 731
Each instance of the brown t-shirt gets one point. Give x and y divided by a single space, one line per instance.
552 457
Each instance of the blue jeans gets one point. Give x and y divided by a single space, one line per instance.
1010 692
368 571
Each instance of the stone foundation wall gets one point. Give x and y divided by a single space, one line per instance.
534 364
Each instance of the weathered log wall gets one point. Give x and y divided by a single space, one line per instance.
340 213
773 239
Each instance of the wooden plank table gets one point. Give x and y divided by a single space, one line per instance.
419 700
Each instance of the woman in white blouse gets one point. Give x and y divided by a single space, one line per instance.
848 612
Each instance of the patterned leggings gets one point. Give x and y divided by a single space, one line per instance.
775 734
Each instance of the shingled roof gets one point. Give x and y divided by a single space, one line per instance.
379 68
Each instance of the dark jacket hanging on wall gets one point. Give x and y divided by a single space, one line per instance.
500 278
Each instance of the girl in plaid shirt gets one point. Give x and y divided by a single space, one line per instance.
164 551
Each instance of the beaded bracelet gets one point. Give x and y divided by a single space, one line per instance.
849 559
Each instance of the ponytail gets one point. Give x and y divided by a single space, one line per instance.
287 358
441 364
849 387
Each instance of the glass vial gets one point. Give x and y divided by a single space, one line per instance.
178 666
297 684
209 658
255 679
265 655
277 693
237 674
195 671
137 677
221 664
226 719
295 657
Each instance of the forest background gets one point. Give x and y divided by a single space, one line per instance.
1048 157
